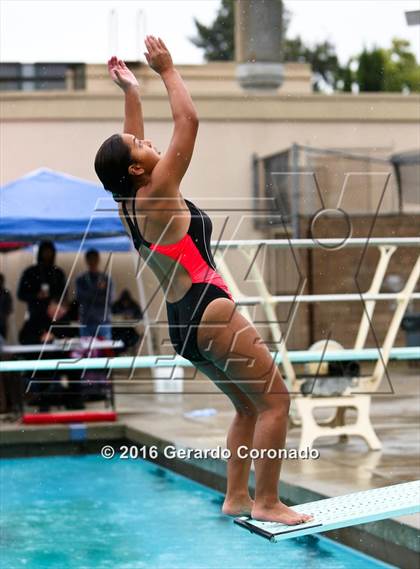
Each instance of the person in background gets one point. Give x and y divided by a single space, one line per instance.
39 284
94 295
6 308
9 389
54 324
126 309
61 387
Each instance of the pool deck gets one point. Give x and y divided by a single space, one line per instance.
147 418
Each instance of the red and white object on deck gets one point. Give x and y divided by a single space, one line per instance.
69 417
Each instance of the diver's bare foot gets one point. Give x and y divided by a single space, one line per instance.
280 513
238 506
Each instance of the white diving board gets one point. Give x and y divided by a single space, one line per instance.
342 511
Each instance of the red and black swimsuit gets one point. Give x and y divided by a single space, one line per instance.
194 254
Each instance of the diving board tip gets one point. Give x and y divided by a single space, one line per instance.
343 511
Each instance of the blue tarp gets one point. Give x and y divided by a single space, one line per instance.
71 212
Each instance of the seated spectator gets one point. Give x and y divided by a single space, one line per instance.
55 323
94 295
6 308
126 308
63 387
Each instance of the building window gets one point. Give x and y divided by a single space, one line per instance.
10 74
41 76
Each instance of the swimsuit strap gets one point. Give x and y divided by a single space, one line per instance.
140 236
135 233
135 230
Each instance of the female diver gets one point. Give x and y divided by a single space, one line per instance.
173 236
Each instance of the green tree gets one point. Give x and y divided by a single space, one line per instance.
401 68
322 58
377 69
217 40
389 70
370 74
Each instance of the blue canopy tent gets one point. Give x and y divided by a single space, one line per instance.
74 213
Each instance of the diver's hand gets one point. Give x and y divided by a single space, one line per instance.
157 55
120 74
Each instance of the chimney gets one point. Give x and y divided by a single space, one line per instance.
258 39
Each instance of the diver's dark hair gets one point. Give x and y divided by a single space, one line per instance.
111 166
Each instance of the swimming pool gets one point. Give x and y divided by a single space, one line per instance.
83 512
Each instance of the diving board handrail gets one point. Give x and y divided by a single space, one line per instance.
136 362
302 409
328 242
394 325
352 297
386 245
386 252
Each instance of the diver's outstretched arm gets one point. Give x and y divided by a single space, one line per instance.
126 80
174 163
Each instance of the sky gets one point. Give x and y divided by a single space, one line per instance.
79 30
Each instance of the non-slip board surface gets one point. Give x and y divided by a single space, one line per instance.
343 511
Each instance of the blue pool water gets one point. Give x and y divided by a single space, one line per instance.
83 512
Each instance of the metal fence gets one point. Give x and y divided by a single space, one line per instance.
302 180
407 173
